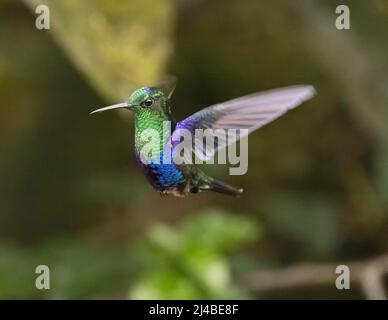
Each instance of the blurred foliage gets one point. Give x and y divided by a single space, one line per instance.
119 45
73 198
191 262
311 224
78 269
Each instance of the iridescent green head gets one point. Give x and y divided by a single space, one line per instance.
151 98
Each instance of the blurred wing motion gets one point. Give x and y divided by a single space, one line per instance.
249 112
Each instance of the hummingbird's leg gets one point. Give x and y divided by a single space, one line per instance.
194 189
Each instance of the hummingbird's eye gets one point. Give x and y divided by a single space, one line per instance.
147 103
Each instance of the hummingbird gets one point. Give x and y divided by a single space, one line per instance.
151 107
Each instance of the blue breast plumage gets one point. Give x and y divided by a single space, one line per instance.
163 176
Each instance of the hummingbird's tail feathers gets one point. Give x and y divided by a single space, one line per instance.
221 187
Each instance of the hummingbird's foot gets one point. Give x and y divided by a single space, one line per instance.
174 192
194 189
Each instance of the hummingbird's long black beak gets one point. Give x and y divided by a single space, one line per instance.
115 106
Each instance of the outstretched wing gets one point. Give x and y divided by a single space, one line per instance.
249 112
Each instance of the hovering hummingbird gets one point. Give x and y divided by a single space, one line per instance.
151 108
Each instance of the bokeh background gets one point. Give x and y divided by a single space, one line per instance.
72 198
